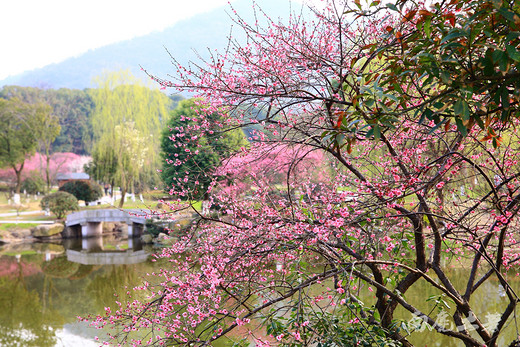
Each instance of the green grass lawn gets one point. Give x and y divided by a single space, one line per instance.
9 226
22 253
28 202
153 205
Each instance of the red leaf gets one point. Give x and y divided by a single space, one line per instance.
340 119
425 13
447 125
398 36
409 16
451 18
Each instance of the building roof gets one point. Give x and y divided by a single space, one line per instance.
72 176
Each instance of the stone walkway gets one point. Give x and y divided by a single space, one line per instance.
25 213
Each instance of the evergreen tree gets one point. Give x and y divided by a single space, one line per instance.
190 160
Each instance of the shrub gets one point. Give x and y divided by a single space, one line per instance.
154 228
60 203
4 187
83 190
33 185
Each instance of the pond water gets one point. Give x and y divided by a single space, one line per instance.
45 287
488 302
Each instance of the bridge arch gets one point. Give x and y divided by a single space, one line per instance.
91 221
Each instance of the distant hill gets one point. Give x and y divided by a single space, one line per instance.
196 33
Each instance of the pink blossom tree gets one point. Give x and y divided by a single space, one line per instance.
36 165
418 183
269 166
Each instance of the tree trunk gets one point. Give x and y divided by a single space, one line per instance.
123 193
18 177
47 173
112 188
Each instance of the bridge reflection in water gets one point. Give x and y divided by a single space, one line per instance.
103 251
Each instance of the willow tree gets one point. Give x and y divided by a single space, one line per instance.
120 100
125 155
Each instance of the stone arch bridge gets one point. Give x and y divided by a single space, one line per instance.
91 221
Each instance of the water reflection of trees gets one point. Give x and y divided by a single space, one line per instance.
79 289
24 321
112 282
60 268
486 303
38 297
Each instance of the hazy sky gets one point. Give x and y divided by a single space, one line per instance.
40 32
36 33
